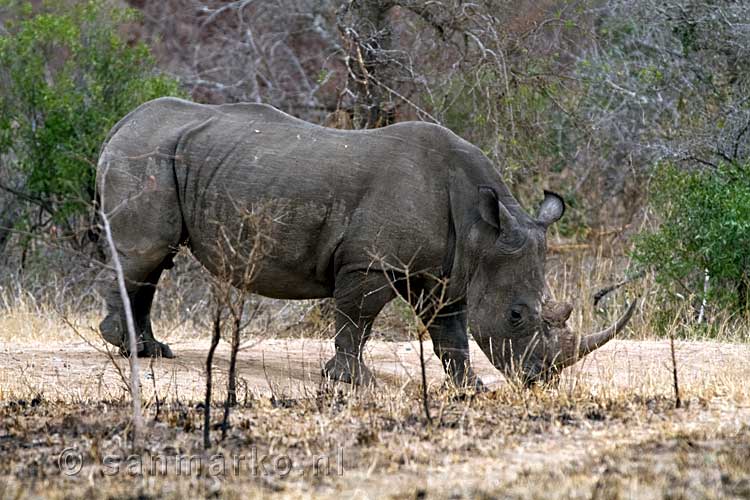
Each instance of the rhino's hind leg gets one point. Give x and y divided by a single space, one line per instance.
141 278
359 298
136 186
142 302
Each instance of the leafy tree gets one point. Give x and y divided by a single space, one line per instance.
705 229
67 75
668 80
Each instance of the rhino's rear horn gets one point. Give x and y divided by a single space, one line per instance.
557 312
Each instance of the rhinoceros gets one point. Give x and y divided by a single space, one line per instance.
359 212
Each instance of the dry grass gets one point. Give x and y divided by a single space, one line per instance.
609 429
586 438
602 431
575 276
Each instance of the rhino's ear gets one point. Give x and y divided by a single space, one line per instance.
492 211
551 209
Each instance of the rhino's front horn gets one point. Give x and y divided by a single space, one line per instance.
590 343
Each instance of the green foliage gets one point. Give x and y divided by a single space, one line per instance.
66 77
705 226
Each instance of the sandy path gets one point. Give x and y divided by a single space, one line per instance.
291 367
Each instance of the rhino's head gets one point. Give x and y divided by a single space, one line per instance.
542 356
506 250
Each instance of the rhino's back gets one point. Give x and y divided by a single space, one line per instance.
339 198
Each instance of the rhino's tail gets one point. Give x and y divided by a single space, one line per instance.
160 133
94 231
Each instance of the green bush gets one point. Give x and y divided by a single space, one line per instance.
705 227
66 77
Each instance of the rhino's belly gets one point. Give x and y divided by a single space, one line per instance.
269 276
284 252
283 284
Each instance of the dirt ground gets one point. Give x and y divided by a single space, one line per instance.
291 367
608 429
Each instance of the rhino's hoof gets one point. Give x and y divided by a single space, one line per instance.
111 330
473 385
155 349
349 370
152 349
464 380
480 387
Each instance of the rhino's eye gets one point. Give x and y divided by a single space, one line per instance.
516 315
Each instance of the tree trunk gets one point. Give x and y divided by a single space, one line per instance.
366 30
8 218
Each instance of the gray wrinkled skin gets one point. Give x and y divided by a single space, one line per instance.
347 204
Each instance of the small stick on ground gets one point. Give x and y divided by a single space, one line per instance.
231 399
135 386
215 337
156 391
598 296
427 306
677 400
423 369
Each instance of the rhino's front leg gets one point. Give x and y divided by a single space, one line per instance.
359 298
451 343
